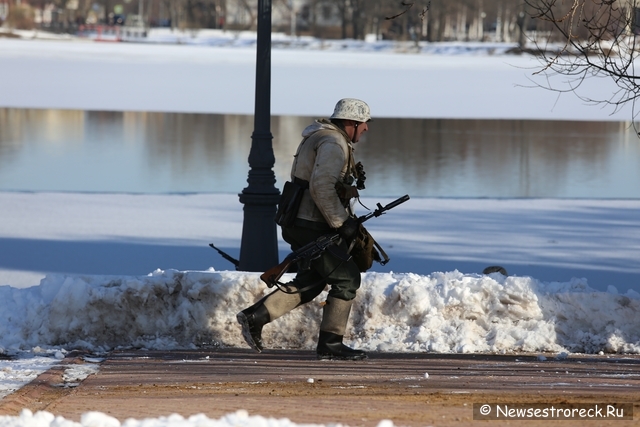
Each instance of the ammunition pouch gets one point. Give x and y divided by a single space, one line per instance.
289 203
346 192
365 250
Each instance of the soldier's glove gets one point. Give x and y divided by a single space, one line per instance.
349 230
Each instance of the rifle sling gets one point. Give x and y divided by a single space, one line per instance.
383 254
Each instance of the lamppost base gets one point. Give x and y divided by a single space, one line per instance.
259 227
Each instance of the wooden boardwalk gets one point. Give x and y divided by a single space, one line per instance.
411 389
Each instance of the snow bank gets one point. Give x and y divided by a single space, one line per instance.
441 312
97 419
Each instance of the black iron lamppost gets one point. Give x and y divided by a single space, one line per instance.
259 245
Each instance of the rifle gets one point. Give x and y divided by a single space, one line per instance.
315 249
226 256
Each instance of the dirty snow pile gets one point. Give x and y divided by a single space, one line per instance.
447 312
97 419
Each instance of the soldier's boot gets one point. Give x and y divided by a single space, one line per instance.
334 323
268 309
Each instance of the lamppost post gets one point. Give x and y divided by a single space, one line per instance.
259 245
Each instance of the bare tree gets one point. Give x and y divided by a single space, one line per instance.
409 19
343 7
440 20
353 16
358 18
590 39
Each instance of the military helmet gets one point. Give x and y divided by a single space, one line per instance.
352 109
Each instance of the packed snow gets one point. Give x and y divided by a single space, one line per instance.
432 298
15 372
239 418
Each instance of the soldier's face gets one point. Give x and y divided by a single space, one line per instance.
362 128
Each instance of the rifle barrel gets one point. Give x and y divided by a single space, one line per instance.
397 202
226 256
383 209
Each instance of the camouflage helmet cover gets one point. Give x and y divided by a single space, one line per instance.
352 109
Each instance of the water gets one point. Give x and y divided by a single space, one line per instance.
65 150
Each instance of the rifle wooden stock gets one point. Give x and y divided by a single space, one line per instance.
309 251
271 276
